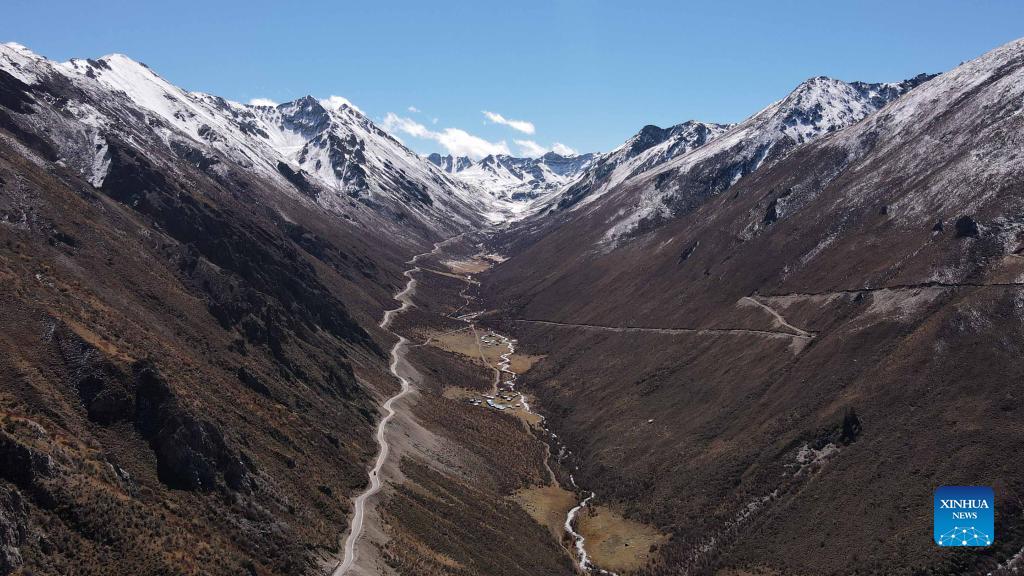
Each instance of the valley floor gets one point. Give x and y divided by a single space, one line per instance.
471 479
468 483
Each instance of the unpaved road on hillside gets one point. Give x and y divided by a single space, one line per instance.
779 319
699 331
398 362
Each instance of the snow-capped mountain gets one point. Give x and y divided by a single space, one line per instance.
509 178
331 154
650 147
450 164
674 175
817 106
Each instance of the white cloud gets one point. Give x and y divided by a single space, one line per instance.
262 102
520 125
395 123
530 148
559 148
462 143
413 109
455 141
434 121
335 102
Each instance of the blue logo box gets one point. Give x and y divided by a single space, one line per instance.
964 516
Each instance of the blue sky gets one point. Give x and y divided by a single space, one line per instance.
585 74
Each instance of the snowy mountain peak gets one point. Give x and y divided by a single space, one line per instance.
817 106
822 104
681 137
515 179
20 62
647 149
19 48
305 116
450 164
648 136
321 151
118 59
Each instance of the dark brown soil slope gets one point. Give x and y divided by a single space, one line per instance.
847 337
187 383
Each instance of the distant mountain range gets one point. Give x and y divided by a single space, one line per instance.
553 183
516 179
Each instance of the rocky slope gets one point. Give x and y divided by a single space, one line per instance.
777 345
324 152
662 173
190 356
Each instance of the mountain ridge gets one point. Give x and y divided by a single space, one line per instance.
354 168
817 106
516 181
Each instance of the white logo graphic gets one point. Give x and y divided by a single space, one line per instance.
964 536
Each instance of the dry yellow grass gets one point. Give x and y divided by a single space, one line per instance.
95 339
523 362
548 506
471 266
617 543
446 274
466 343
531 419
457 393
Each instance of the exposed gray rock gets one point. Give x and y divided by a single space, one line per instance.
13 529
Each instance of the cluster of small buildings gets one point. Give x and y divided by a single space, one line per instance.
490 339
502 401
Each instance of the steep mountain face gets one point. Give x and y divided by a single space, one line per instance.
191 289
450 164
661 174
514 179
818 106
781 374
331 155
649 148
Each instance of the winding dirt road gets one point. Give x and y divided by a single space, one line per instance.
700 331
398 366
779 319
398 360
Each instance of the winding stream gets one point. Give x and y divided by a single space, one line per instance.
398 361
581 550
504 367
